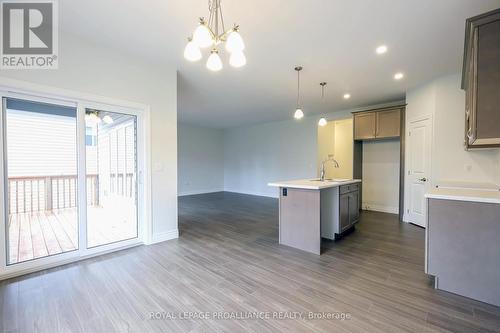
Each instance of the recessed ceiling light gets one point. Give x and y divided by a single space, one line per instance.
381 49
347 96
398 76
322 122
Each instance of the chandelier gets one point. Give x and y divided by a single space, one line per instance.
212 33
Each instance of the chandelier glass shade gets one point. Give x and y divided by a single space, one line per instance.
211 34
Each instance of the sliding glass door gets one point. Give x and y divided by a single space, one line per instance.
40 148
70 179
111 164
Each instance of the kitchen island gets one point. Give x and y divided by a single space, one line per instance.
310 209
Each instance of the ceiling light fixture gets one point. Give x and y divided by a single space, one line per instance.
398 76
347 96
381 49
212 33
299 114
322 122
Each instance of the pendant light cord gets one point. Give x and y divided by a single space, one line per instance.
298 88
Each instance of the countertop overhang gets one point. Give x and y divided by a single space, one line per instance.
309 184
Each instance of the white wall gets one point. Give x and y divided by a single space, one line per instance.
445 101
381 176
451 164
92 69
259 154
200 160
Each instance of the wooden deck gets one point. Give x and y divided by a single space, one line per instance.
40 234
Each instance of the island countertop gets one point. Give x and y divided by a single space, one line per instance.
311 184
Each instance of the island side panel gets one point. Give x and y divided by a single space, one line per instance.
330 212
300 219
463 247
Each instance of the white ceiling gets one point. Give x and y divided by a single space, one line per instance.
334 40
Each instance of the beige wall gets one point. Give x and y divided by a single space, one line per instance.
336 138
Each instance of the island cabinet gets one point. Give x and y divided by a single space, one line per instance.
377 124
348 207
481 79
339 210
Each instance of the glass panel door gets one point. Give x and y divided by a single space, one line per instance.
40 142
111 166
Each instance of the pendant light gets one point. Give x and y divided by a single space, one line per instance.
212 33
299 114
322 121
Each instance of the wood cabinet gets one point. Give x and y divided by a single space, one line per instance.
388 124
364 125
481 81
378 124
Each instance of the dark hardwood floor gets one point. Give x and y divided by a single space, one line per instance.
228 259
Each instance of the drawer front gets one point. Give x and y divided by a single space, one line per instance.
345 189
349 188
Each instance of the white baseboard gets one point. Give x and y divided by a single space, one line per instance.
164 236
259 194
194 192
380 208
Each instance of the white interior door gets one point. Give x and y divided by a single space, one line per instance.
419 168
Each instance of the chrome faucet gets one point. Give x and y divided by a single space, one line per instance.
322 171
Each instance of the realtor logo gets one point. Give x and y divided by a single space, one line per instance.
29 34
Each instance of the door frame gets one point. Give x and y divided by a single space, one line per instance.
406 217
82 101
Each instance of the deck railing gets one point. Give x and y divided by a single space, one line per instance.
31 194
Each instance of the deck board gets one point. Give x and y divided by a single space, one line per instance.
51 241
37 237
40 234
14 235
25 243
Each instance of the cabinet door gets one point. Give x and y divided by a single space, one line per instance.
344 212
364 125
481 76
388 124
353 207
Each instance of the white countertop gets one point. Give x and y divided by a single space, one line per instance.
465 194
310 184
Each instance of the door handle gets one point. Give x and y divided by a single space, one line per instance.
423 179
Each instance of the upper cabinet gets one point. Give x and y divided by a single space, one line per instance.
481 81
377 124
365 125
